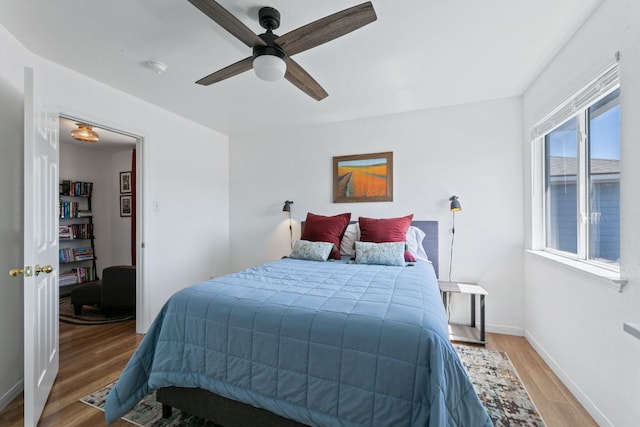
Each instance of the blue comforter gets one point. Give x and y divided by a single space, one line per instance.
322 343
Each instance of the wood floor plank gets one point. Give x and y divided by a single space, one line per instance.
93 356
556 404
90 358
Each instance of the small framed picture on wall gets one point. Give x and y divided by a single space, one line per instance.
125 205
125 182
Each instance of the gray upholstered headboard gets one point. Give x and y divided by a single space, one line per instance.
430 242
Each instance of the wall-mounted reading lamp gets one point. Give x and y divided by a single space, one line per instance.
454 207
286 209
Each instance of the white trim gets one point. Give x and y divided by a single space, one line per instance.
505 330
11 394
577 392
537 195
583 201
608 277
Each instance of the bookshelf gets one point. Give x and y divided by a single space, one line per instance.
76 236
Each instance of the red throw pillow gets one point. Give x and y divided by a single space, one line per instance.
384 230
319 228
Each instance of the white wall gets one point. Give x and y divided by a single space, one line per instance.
185 169
11 218
473 151
575 320
119 238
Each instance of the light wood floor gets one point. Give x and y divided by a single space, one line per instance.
554 401
94 356
90 358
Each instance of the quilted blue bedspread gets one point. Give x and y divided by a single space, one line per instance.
322 343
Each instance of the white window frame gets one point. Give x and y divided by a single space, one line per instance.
577 105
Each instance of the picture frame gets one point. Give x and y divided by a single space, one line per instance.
363 178
125 182
125 206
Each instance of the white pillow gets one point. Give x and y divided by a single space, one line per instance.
380 253
312 251
347 245
414 237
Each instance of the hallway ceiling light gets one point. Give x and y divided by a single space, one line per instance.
85 133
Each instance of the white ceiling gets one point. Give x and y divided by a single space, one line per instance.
418 54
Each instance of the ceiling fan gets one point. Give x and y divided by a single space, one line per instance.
272 54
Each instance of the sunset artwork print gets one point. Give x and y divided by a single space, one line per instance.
363 178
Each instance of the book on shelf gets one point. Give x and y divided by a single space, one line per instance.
65 232
82 254
68 209
76 188
82 231
70 278
66 255
85 274
83 213
77 275
75 231
65 186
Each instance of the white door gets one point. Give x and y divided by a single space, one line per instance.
40 252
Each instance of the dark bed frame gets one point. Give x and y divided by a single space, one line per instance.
231 413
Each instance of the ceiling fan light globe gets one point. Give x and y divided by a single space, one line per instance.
269 68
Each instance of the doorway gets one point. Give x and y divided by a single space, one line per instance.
111 167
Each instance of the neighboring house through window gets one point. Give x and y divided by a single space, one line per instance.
580 167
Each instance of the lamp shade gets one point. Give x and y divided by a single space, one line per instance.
455 204
287 206
84 133
269 68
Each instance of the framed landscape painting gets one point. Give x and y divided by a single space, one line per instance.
363 178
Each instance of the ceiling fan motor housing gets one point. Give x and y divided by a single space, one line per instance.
271 48
269 18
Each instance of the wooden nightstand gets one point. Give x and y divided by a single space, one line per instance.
465 333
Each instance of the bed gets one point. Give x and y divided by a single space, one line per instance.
297 342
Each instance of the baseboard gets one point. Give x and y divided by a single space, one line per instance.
506 330
11 394
584 400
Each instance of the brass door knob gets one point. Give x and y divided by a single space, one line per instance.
44 269
15 272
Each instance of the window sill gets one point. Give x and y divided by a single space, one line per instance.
610 278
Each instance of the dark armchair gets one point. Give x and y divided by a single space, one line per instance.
116 290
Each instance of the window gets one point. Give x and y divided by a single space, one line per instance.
581 173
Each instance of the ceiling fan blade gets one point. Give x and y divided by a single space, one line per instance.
227 21
326 29
230 71
303 81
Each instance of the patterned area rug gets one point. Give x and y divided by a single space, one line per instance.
491 372
148 412
499 387
90 315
